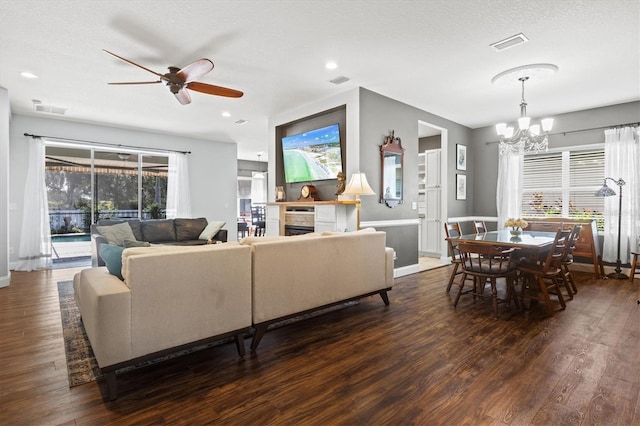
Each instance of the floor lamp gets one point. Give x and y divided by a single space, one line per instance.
358 186
605 191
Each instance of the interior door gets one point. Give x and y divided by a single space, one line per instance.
432 222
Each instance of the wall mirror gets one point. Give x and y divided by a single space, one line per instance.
391 161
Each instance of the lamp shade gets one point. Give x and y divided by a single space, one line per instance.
358 185
605 191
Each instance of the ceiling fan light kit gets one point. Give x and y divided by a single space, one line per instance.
180 79
528 138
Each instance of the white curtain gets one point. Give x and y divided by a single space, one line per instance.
509 187
178 193
622 161
35 236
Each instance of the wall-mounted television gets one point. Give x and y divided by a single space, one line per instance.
312 155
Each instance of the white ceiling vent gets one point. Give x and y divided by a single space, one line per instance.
50 109
241 122
339 80
509 42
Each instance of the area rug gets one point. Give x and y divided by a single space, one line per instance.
82 366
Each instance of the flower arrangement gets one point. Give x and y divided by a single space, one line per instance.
515 224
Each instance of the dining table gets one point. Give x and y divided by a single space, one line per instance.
531 244
531 241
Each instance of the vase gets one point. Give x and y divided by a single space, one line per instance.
516 232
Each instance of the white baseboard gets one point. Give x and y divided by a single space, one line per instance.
5 281
406 270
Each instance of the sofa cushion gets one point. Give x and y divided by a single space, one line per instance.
112 256
116 234
135 243
189 229
158 230
211 230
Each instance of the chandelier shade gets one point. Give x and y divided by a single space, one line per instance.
528 138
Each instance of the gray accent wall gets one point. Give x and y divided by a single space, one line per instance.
379 115
484 156
212 166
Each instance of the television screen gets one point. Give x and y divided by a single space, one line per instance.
312 155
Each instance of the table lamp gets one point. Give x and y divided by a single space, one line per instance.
358 186
605 191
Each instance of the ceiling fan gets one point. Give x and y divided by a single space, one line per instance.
179 80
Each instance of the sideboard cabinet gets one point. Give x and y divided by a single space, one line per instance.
587 245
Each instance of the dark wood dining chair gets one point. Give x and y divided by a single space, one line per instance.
635 265
568 260
453 230
486 264
541 279
479 226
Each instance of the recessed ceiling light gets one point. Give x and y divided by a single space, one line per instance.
226 114
27 74
331 65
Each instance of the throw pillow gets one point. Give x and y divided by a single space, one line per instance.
211 230
112 256
135 243
116 234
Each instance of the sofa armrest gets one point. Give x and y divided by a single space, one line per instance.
96 240
105 306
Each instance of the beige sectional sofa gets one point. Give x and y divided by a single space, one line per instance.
292 275
173 297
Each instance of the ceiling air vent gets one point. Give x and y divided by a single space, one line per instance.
50 109
509 42
339 80
241 122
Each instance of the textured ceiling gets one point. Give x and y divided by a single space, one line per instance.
431 54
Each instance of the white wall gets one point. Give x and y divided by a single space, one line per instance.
212 166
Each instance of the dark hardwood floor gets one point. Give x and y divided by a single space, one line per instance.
418 361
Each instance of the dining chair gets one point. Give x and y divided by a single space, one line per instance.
635 266
487 263
539 280
568 260
453 230
479 226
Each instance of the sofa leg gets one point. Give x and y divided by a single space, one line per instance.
112 385
239 339
385 297
257 335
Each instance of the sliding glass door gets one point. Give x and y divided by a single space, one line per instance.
85 185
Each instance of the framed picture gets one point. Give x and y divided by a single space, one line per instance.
461 187
461 157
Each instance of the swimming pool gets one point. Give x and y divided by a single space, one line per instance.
70 238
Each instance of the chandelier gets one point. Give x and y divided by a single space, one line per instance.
528 138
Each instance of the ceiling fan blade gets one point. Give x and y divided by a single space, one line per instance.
183 97
195 70
137 82
136 65
210 89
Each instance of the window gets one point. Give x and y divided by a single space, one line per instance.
85 185
563 184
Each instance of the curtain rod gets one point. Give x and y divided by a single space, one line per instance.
106 144
613 126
